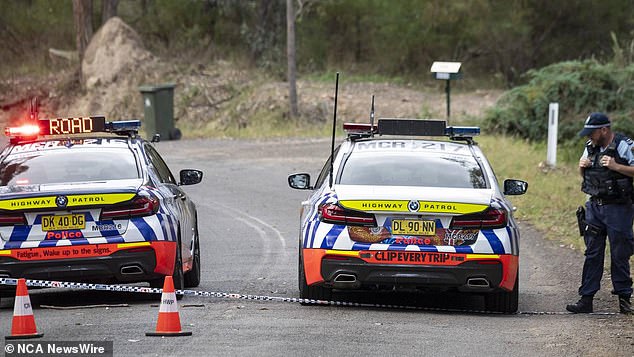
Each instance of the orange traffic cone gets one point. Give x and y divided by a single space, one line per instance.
23 320
169 323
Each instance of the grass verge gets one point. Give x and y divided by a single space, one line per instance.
553 194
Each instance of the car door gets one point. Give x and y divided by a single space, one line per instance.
177 199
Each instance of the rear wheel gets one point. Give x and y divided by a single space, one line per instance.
311 292
177 275
504 302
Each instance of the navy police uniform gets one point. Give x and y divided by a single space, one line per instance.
609 213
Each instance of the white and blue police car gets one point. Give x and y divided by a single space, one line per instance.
86 200
392 209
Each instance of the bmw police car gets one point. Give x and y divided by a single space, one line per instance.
82 199
393 210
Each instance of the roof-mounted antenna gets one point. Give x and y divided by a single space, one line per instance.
372 118
34 109
334 126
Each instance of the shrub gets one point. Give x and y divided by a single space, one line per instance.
580 87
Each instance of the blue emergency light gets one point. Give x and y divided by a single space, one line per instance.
123 126
462 131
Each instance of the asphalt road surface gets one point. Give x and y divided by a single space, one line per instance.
248 221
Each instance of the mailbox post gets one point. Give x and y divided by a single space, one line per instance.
447 71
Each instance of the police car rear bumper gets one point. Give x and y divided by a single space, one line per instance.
354 273
123 266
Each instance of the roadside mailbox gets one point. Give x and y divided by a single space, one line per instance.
447 71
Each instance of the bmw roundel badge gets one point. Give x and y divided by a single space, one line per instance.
413 206
61 201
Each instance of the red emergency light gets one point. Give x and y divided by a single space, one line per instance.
359 128
26 130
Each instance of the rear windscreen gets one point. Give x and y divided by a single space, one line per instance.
412 169
68 165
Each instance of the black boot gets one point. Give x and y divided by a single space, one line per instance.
625 306
583 306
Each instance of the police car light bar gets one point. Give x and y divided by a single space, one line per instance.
424 127
71 126
412 127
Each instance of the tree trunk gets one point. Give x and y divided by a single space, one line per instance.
290 56
82 14
108 9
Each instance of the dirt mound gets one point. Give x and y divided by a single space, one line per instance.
211 98
114 51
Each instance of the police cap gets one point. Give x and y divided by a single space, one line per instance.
594 121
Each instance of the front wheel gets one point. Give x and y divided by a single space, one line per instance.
192 277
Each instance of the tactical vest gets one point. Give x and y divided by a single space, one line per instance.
603 183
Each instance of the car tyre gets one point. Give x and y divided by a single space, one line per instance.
504 302
192 277
175 134
311 292
177 276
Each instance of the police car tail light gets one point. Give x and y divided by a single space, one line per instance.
139 207
491 218
12 219
331 213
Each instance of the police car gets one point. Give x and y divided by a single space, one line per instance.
392 210
82 199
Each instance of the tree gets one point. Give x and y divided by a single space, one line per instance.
290 55
82 14
108 9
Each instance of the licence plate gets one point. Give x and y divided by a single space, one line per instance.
413 227
63 222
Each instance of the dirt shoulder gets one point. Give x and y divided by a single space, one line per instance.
217 96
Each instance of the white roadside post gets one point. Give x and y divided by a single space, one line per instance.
553 118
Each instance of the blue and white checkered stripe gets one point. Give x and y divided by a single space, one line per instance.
329 236
159 227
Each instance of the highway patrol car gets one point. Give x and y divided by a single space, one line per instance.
391 209
82 199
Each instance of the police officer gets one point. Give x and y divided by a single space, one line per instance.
607 168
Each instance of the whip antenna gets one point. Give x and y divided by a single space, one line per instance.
334 126
372 118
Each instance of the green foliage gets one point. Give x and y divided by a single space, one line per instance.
553 194
580 87
172 25
29 28
490 38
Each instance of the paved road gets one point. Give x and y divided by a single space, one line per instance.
249 226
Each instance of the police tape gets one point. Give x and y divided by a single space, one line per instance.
213 294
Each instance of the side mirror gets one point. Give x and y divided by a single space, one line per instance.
515 187
190 176
156 138
299 181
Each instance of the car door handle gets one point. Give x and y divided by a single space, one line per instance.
181 196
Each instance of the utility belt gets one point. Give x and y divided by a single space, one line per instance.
611 201
607 189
